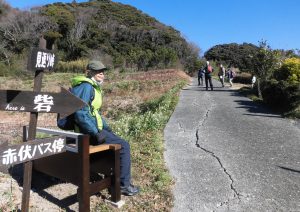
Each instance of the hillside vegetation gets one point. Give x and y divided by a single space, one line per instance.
122 36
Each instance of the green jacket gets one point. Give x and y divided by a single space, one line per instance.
88 119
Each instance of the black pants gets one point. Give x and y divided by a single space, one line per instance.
200 80
208 79
125 162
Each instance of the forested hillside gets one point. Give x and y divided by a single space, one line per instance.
120 34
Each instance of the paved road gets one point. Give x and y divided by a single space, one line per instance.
227 153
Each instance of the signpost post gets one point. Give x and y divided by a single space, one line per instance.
35 102
37 86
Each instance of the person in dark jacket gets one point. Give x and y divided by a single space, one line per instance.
200 76
231 74
221 74
208 70
88 120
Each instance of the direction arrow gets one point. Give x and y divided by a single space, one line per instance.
31 150
43 102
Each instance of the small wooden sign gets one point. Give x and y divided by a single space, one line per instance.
42 102
31 150
41 59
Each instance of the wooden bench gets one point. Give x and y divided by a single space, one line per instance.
91 168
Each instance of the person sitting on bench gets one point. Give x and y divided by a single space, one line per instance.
89 121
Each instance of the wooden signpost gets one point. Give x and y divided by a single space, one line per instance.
35 102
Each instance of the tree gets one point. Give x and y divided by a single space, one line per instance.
5 54
74 37
192 60
21 29
4 8
233 55
265 61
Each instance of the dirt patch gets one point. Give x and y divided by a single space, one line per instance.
237 86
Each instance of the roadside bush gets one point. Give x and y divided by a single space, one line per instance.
77 66
16 69
3 70
281 95
289 71
242 77
153 114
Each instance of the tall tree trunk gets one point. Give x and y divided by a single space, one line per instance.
259 89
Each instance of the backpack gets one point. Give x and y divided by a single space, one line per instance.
67 122
209 69
233 74
200 72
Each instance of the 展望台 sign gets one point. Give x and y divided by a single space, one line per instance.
41 59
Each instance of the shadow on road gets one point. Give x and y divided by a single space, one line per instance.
200 88
256 109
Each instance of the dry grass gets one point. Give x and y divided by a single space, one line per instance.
124 93
130 90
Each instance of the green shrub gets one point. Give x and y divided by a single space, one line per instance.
281 95
77 66
153 115
4 71
16 69
289 71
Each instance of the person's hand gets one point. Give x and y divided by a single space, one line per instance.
100 137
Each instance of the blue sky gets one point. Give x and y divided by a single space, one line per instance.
207 23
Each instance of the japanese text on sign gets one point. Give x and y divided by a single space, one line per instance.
32 151
44 60
43 103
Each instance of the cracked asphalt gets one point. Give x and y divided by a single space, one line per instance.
227 153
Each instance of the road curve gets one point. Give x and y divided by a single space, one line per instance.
227 153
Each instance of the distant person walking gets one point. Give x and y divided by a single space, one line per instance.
207 74
253 80
221 74
231 74
200 76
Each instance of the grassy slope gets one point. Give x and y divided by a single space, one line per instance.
137 106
